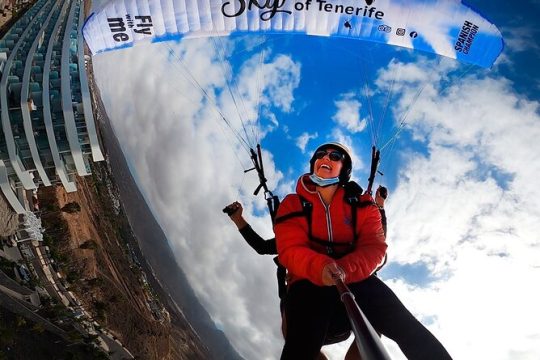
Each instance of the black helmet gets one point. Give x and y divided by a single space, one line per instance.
346 170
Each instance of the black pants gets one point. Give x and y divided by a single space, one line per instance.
312 310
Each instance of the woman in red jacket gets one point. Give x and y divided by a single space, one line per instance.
337 240
268 247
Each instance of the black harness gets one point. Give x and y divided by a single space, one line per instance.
333 249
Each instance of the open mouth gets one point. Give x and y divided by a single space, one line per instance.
325 166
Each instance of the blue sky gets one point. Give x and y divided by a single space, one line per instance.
463 220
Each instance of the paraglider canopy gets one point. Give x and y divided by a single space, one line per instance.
445 27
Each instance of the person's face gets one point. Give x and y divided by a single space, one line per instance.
328 163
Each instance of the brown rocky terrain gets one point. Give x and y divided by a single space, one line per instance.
8 218
89 239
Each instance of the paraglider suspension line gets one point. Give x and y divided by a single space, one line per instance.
375 159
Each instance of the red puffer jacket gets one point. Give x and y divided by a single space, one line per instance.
305 259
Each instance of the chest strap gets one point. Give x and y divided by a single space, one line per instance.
331 247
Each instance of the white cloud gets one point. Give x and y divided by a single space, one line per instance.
303 139
521 39
466 209
259 84
348 113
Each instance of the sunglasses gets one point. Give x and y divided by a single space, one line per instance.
333 155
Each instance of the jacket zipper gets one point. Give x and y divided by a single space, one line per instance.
329 249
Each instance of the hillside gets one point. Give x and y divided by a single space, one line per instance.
93 245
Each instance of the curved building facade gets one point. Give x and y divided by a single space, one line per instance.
48 134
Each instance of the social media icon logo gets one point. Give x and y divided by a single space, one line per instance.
385 28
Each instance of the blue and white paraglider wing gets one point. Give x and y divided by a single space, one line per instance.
444 27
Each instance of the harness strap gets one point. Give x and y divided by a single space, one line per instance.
307 209
330 243
281 274
289 216
353 201
365 203
351 197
